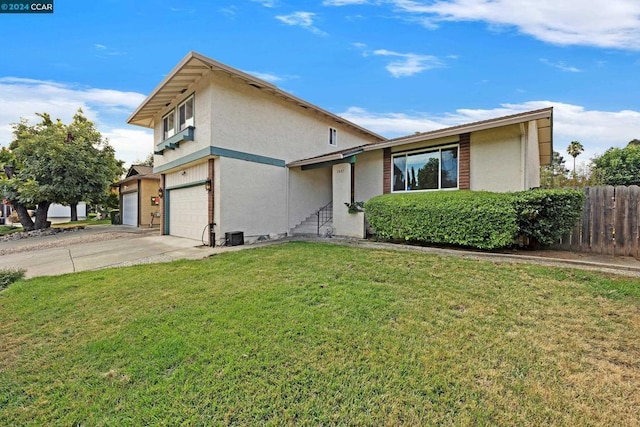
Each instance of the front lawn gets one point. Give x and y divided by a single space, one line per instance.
314 334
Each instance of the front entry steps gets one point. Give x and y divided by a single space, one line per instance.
309 227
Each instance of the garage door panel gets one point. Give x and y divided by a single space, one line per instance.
130 209
188 212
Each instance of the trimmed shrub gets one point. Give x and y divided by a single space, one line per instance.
476 219
545 215
466 218
10 275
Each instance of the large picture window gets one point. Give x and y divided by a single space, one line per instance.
432 169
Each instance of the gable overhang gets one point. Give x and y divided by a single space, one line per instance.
193 67
543 118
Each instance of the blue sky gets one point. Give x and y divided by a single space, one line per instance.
393 66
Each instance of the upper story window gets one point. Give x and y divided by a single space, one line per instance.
333 137
185 113
168 125
429 169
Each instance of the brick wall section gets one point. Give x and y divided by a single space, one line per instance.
386 171
464 162
162 208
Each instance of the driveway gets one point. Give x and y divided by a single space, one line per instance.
97 247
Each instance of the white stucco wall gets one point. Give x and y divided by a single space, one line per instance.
495 162
344 223
532 157
309 190
252 198
369 176
251 120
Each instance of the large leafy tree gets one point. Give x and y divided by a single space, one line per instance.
51 162
619 166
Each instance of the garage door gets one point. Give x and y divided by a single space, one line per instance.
130 209
188 212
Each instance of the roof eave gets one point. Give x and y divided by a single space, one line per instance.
472 127
147 120
427 136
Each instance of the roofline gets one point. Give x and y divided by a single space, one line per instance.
258 83
435 134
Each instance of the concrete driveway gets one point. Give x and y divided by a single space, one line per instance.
97 247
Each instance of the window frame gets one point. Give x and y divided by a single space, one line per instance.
166 131
190 121
434 149
333 137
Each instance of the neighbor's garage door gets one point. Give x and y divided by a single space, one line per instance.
188 212
130 209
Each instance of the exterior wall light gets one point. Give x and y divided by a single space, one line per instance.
207 185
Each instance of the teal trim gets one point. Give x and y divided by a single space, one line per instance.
350 159
173 142
221 152
167 231
191 184
200 154
255 158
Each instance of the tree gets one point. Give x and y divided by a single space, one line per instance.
618 166
575 149
634 141
555 174
94 165
57 163
148 161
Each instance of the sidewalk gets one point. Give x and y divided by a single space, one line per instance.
627 266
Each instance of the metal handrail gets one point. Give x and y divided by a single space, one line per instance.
324 214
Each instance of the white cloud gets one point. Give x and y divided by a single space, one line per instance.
266 3
302 19
596 130
409 64
344 2
268 77
108 109
602 23
561 66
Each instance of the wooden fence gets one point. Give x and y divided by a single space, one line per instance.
610 223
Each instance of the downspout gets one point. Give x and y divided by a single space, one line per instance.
523 157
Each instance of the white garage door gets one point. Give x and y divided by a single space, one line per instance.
130 209
188 212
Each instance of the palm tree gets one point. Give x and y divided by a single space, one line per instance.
574 149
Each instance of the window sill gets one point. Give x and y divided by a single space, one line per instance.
174 142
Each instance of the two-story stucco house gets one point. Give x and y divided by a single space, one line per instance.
237 152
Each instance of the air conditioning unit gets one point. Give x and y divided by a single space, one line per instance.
234 238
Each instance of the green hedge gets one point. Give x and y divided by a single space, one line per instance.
475 219
545 215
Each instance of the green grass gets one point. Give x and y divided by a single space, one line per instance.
7 229
313 334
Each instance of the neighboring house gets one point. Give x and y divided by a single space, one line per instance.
236 153
139 198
